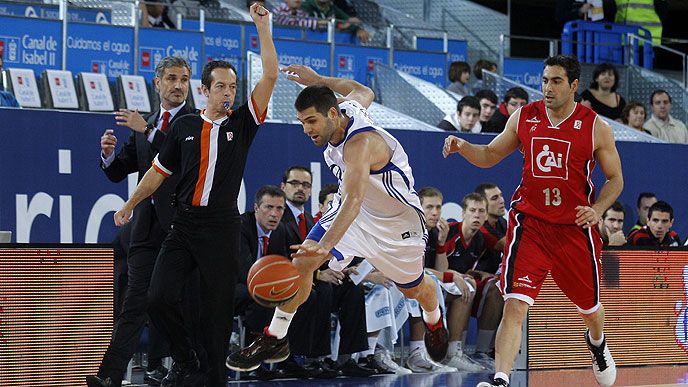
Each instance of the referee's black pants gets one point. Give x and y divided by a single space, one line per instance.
208 239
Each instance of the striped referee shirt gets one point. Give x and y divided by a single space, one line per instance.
210 156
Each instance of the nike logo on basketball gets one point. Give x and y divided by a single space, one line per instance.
275 293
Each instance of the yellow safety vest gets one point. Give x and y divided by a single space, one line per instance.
640 13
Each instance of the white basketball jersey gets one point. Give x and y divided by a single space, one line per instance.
391 209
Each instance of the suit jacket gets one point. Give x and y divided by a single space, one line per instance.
249 243
136 156
292 227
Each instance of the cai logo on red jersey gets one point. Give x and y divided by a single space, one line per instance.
549 158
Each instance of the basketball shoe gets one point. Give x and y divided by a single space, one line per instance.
603 365
436 340
496 382
266 348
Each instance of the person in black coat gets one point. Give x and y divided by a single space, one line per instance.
151 221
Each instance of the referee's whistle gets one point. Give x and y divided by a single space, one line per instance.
226 105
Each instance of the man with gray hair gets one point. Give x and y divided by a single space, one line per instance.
151 224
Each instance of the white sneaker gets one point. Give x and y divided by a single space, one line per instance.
498 382
461 362
603 365
484 360
384 359
419 361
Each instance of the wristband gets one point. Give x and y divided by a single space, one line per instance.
317 275
441 249
448 277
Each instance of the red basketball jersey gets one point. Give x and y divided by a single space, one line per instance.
557 163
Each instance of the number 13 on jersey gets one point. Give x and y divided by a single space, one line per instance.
552 196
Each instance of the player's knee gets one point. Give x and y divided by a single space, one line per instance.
515 310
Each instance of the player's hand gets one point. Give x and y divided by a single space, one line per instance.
443 230
132 119
309 249
460 282
452 144
586 217
122 216
616 238
108 142
378 278
302 74
350 271
331 276
259 14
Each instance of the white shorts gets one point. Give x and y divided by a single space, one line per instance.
400 261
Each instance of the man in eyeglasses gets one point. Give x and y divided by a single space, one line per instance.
513 99
296 184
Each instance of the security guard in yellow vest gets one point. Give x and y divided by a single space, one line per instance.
640 13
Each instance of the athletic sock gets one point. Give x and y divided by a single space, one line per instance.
503 376
279 326
454 346
416 344
431 318
596 343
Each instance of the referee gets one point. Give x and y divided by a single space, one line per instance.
209 152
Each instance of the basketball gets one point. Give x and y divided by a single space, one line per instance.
273 281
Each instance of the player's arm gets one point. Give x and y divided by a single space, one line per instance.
350 89
268 57
610 163
485 156
360 152
147 186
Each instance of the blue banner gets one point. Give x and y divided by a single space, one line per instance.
357 62
429 66
525 71
34 44
222 42
155 44
457 50
430 44
100 49
54 190
46 11
284 32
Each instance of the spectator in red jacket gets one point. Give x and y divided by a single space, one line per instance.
657 231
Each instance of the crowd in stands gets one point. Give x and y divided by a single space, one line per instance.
600 96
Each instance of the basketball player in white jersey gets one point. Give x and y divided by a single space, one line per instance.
375 214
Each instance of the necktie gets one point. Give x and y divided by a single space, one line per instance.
266 241
302 226
165 121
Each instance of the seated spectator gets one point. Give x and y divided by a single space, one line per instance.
611 226
643 204
289 13
514 99
488 105
465 119
325 9
459 74
325 197
658 230
155 15
6 98
662 125
480 65
602 96
633 115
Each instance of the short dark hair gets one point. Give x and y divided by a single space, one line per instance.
469 101
486 94
661 206
270 190
569 63
206 76
456 69
515 92
482 64
603 68
626 112
326 190
322 98
616 206
165 63
644 195
295 168
429 192
481 188
474 196
659 91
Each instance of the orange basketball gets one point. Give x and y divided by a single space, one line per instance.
273 281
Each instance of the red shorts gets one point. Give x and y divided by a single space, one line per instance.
535 247
480 295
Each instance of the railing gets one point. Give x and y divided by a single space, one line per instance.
630 55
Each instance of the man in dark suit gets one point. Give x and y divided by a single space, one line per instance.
151 222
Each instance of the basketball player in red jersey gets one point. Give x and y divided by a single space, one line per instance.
553 211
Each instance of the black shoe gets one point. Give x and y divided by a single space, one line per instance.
186 374
370 362
94 381
265 374
328 371
292 369
436 340
173 378
154 378
265 348
351 368
496 382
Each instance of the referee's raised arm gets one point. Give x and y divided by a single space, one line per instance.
268 55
